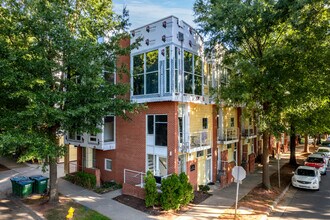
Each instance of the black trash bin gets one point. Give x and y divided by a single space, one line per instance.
40 184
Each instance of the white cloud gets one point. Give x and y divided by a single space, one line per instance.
143 12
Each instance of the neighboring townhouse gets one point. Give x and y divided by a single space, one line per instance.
182 129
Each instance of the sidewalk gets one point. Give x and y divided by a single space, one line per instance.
211 208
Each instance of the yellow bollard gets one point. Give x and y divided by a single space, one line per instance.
70 213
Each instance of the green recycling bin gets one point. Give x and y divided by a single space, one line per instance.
24 188
14 184
40 184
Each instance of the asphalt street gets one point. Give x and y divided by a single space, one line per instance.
305 204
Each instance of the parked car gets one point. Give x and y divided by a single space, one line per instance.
317 161
326 143
306 177
325 150
325 157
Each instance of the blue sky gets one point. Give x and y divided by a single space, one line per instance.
143 12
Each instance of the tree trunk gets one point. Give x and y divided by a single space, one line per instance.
265 161
306 145
319 139
293 146
53 191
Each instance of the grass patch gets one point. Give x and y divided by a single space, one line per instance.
40 205
81 212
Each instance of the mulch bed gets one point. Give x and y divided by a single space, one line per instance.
139 204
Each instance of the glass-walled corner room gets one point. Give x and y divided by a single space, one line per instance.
164 71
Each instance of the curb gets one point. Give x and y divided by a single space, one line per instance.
276 201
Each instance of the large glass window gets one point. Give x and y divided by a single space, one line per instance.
198 75
157 125
152 72
145 73
193 78
109 129
167 69
150 124
176 69
161 130
188 72
138 74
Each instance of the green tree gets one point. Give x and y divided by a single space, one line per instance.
152 195
51 82
270 47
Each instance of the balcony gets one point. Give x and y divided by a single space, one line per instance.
91 141
248 133
228 135
196 141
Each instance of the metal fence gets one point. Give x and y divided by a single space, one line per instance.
134 178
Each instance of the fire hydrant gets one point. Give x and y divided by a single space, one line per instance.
70 213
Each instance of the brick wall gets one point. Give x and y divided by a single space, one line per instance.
192 173
252 158
133 191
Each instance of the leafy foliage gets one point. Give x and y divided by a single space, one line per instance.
52 60
152 195
83 179
204 188
172 193
188 191
107 187
274 49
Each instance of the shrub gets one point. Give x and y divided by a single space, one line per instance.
107 187
151 197
83 179
187 189
111 185
204 188
172 193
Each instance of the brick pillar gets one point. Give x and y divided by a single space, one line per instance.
192 173
98 177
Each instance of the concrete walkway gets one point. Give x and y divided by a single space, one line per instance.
211 208
103 203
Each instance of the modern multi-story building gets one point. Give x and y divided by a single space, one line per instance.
182 129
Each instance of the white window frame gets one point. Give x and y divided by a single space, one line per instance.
77 137
92 136
105 164
114 129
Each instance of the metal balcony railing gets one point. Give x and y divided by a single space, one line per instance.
195 140
247 132
228 134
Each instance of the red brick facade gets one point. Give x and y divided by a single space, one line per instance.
130 152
